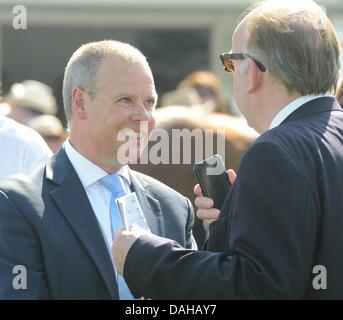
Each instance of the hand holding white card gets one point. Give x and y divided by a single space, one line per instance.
132 212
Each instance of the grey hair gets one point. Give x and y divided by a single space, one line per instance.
82 70
297 43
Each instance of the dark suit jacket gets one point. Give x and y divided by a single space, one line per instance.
282 217
47 225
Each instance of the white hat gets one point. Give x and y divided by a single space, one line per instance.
34 95
47 125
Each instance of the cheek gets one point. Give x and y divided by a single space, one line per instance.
151 126
103 129
117 121
235 85
238 92
152 123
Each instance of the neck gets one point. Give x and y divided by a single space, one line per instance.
79 144
272 101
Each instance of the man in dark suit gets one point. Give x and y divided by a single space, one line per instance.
279 231
56 224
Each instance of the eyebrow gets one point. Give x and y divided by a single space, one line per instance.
119 95
155 97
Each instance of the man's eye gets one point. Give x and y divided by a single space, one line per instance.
150 104
125 100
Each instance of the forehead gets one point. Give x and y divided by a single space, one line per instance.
240 34
116 72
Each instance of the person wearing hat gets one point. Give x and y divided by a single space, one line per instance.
51 129
29 99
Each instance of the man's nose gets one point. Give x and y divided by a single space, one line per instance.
141 113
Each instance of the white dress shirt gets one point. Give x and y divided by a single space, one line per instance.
294 105
99 197
21 148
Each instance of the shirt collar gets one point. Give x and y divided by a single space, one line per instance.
291 107
87 171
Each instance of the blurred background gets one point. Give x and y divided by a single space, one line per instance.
178 37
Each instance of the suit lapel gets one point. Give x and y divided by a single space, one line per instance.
150 206
72 200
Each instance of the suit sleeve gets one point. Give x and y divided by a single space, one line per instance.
22 273
267 234
190 241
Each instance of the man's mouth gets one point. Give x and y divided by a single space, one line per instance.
132 134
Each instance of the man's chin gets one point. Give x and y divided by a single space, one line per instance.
132 155
134 158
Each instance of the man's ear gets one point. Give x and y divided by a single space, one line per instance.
78 97
254 77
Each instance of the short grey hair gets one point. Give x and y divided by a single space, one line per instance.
82 70
297 43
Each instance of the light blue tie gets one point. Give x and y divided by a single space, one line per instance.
114 184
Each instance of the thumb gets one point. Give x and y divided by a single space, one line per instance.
232 176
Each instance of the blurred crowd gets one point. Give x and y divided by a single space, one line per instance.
33 104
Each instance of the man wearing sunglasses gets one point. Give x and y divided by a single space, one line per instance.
279 232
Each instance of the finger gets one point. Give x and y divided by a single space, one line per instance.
206 224
203 202
119 232
136 229
205 214
232 175
197 190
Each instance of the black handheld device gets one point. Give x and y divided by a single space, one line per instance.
212 177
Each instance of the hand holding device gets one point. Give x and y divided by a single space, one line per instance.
212 177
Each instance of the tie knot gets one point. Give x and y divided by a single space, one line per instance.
113 183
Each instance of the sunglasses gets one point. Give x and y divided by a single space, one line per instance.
226 59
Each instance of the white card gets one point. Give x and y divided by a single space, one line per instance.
131 211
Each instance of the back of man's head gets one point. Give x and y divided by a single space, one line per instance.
297 43
82 70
